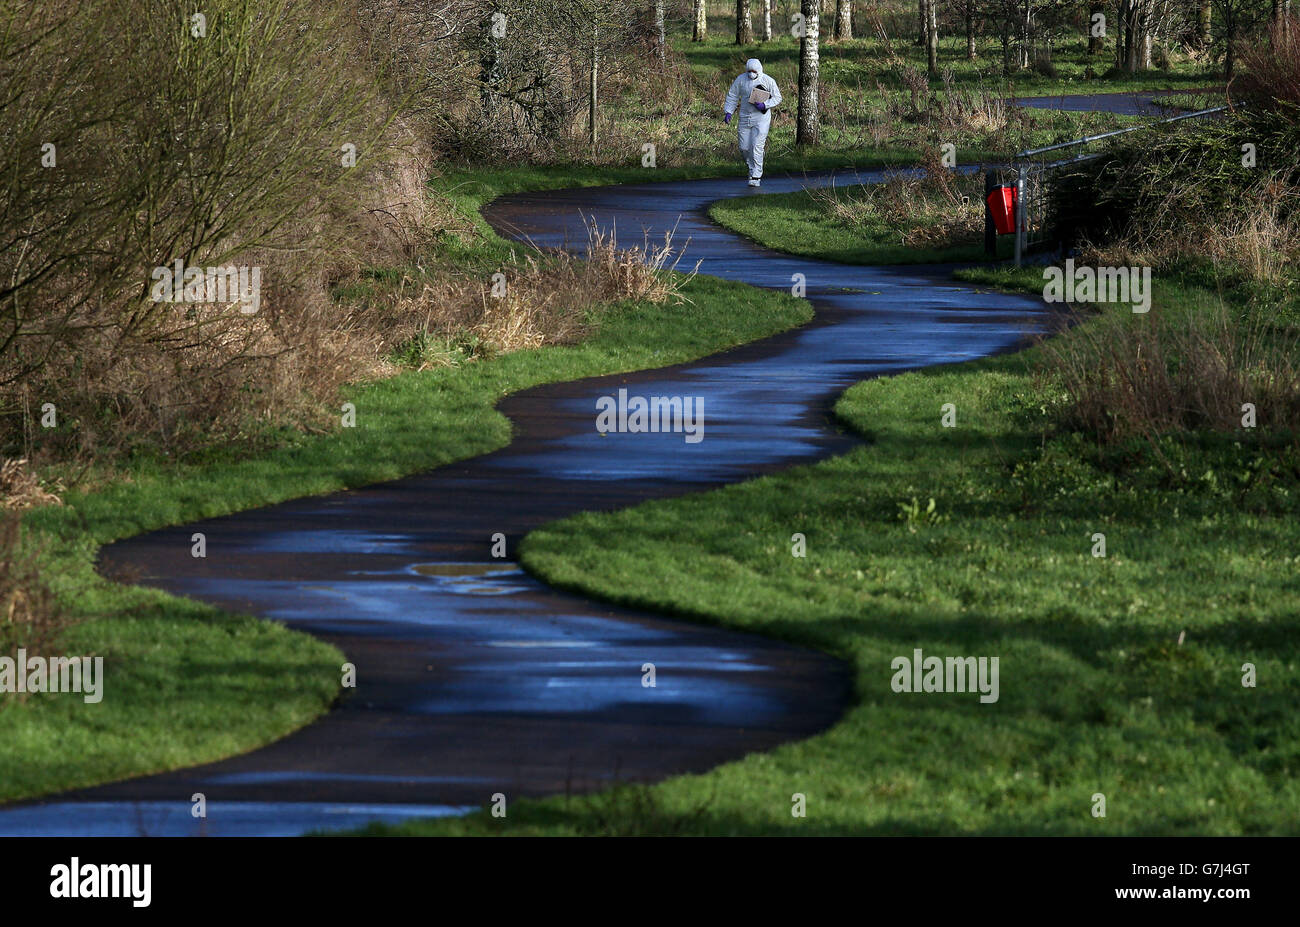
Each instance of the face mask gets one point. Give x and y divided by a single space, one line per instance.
753 75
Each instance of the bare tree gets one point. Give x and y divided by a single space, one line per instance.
808 129
1233 19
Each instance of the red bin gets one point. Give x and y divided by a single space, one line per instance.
1002 204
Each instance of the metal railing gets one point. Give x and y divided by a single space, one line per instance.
1031 178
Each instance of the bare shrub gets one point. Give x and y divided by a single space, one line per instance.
1271 78
175 146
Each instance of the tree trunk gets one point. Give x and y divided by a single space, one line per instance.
701 21
592 97
1131 37
1025 12
744 28
489 71
808 130
1095 42
843 20
1121 20
1229 60
970 30
767 20
932 36
1134 36
1203 23
1280 17
661 40
920 23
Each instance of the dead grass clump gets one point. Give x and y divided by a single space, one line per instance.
956 111
20 489
29 614
1152 375
541 298
931 208
1261 242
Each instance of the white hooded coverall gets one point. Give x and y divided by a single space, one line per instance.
750 123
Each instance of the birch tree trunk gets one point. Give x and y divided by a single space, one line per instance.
592 96
932 36
843 20
660 38
767 20
744 28
701 22
808 130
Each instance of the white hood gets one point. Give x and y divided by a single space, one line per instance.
753 64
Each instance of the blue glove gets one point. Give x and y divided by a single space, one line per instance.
727 118
762 107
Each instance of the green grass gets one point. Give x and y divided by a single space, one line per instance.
680 113
187 684
977 540
865 59
799 223
1097 692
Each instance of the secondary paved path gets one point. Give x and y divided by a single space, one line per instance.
473 677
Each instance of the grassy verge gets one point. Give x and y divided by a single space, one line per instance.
187 684
1120 675
800 223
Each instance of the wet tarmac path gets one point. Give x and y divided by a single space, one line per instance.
474 678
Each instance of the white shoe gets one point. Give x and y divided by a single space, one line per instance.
754 181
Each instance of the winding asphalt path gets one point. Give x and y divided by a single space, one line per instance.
474 678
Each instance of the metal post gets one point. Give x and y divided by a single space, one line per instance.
990 232
1020 214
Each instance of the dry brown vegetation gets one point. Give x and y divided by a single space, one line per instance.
30 616
1167 373
934 207
540 299
1186 203
221 143
20 488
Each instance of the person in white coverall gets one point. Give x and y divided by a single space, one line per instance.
755 118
